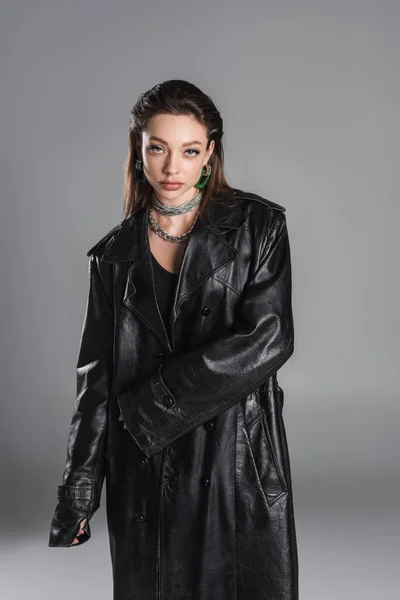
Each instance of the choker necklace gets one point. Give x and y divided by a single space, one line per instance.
175 210
171 211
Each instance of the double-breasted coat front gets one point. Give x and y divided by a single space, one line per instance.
198 486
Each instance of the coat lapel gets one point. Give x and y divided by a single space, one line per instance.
206 252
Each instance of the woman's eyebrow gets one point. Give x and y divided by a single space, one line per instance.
154 137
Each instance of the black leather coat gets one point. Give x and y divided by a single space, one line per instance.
198 487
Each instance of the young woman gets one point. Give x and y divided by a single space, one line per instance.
188 320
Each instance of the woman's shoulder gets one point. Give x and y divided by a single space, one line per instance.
264 217
252 197
101 245
261 213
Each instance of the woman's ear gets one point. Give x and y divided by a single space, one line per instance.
211 149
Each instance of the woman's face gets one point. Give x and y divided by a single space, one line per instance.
174 148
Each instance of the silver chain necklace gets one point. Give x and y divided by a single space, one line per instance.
170 211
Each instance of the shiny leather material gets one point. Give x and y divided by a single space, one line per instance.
198 486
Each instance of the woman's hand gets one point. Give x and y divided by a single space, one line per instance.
120 418
76 541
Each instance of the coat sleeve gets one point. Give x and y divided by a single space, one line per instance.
80 490
191 388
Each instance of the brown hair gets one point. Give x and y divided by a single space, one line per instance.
177 97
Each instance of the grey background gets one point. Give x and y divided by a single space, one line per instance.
309 92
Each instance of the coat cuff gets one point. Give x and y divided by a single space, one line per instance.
74 504
65 526
151 412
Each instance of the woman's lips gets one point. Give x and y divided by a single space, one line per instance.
172 186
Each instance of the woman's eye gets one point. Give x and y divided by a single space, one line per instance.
155 149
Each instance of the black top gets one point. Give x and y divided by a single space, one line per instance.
165 283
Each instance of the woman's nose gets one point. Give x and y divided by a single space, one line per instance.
171 166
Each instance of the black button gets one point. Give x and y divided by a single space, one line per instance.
142 462
205 310
206 481
168 401
209 425
139 518
160 354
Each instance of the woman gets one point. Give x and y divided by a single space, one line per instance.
189 318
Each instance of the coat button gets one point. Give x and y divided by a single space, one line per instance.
139 518
209 425
160 355
206 481
168 401
205 310
142 463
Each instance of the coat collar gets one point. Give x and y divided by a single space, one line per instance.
206 252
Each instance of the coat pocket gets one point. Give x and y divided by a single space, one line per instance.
264 460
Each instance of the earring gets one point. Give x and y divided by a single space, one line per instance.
204 177
138 172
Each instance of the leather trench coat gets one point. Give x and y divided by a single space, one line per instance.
198 487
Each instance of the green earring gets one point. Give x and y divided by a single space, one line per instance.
204 177
138 172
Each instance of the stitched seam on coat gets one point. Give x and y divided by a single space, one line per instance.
235 510
96 272
265 249
95 492
96 500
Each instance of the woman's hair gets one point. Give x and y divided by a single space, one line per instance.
175 97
